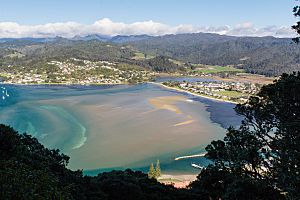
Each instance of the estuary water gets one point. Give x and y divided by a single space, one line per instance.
118 126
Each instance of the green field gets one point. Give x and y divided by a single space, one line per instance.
4 75
142 56
208 69
233 94
125 66
176 62
15 55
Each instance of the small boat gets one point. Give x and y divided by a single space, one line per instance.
196 166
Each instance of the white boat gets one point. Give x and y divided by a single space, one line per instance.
196 166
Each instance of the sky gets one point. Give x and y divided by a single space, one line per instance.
67 18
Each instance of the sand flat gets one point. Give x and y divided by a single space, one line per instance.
167 103
120 127
184 123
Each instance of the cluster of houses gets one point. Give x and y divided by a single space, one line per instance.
24 78
77 71
102 72
215 89
243 87
68 67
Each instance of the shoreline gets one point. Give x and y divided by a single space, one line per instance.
191 93
90 84
112 84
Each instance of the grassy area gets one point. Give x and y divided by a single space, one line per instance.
142 56
230 93
4 75
15 55
209 69
176 62
125 66
139 56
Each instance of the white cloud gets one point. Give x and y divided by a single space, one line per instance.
248 29
107 27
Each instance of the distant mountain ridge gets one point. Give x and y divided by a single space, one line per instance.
92 37
263 55
103 38
129 38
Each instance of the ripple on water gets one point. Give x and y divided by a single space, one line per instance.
62 113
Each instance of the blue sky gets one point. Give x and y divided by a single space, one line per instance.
241 17
172 12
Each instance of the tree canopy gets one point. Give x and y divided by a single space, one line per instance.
28 170
296 27
262 157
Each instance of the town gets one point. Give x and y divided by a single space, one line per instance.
77 71
237 92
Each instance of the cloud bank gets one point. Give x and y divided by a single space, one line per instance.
108 27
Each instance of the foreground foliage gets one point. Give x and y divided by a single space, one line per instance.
260 159
28 170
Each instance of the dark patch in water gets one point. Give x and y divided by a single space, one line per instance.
222 113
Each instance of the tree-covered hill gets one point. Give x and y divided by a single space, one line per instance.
34 54
64 49
263 55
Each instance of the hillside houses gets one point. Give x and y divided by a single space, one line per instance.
77 71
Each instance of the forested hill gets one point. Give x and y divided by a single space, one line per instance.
263 55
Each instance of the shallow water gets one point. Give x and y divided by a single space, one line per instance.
115 127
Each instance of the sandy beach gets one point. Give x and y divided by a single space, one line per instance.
168 103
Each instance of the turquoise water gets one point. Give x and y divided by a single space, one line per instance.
114 127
